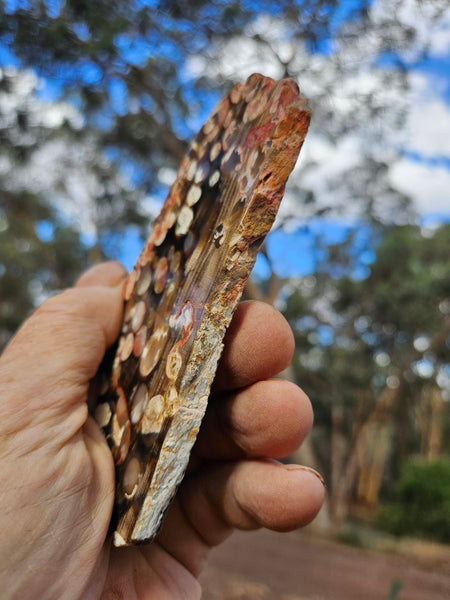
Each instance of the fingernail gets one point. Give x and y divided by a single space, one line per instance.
308 469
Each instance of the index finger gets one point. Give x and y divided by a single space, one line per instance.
258 345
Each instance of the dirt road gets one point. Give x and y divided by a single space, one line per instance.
270 566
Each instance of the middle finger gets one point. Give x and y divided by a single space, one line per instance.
267 419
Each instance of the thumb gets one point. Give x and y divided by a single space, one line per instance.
53 356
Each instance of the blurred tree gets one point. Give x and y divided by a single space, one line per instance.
33 262
355 71
126 83
95 116
51 170
142 73
373 355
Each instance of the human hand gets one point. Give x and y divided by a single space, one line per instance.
58 474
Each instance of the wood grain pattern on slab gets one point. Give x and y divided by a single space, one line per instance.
182 293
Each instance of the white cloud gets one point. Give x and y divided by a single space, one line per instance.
429 128
239 58
428 123
69 172
427 134
430 22
429 187
441 40
335 159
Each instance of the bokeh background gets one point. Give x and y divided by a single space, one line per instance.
98 101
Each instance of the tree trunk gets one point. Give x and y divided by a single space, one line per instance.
374 447
363 466
436 424
342 493
372 461
338 444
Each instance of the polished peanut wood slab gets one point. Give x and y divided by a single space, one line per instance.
181 295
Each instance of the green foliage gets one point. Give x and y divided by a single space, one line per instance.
404 297
32 267
139 77
356 342
422 501
117 72
407 285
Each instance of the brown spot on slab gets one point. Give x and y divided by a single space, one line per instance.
254 109
229 117
124 445
120 428
253 85
139 341
138 403
190 241
209 125
116 371
214 179
159 234
160 275
129 286
127 347
144 281
285 93
129 310
147 255
173 364
170 291
121 408
153 349
131 476
215 151
154 415
201 173
175 261
253 158
194 194
236 93
103 414
230 136
192 167
184 220
172 400
140 311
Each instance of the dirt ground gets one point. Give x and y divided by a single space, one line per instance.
270 566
